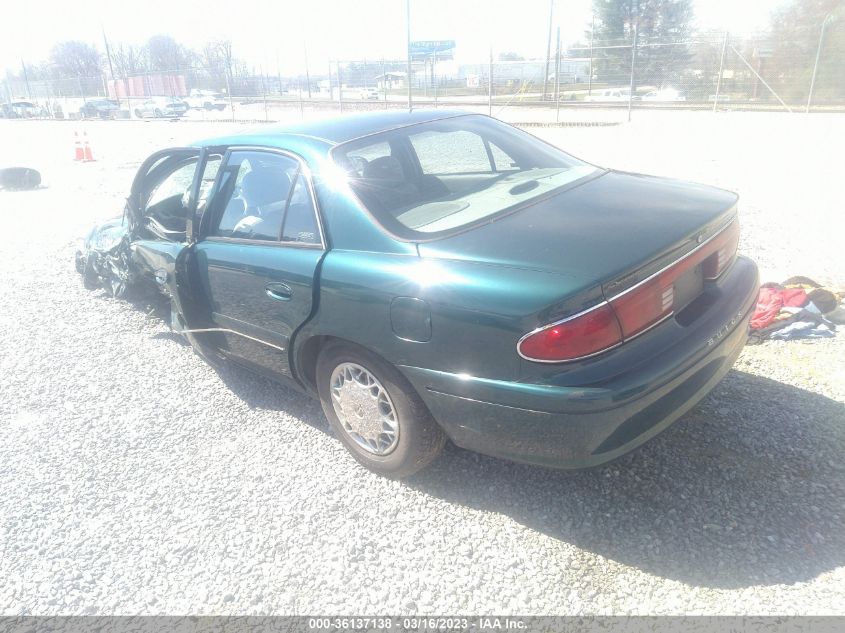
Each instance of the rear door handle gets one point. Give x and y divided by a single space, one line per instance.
278 291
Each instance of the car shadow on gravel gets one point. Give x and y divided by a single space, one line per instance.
746 489
259 392
256 391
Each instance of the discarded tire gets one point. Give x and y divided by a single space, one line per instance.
17 178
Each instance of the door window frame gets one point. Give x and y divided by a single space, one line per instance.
204 233
140 192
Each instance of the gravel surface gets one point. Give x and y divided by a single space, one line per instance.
135 479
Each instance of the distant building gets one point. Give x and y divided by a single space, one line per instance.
394 80
572 70
147 86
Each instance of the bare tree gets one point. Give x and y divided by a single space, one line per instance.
219 62
129 60
217 55
75 59
166 54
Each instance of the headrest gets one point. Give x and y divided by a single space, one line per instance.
265 185
384 168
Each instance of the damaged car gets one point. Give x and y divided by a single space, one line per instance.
436 276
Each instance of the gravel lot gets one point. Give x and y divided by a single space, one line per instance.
134 479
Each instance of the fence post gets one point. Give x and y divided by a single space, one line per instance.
490 86
384 81
29 92
339 87
827 20
408 28
307 74
264 90
557 77
229 92
633 62
721 67
548 49
592 28
434 77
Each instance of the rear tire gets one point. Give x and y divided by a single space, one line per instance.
139 114
158 113
417 439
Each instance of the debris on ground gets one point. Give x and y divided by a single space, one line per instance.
798 308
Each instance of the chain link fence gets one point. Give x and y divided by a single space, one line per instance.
594 81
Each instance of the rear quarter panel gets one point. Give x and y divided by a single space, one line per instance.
477 311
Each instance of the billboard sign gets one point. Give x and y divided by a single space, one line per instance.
425 49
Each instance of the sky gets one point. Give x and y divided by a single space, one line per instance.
273 34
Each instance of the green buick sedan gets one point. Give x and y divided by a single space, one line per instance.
435 276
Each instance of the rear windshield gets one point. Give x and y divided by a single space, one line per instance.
428 179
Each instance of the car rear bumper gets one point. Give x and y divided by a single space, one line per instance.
551 423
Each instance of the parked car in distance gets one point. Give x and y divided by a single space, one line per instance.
435 275
609 95
664 95
99 108
20 110
206 100
369 93
159 107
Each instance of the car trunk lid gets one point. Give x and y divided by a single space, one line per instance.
612 231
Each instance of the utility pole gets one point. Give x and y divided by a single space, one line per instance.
828 19
548 49
408 26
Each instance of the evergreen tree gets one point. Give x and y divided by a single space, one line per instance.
662 28
795 32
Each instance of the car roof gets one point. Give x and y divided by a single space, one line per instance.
323 134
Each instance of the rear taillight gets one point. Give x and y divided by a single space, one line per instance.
582 335
644 305
631 312
725 245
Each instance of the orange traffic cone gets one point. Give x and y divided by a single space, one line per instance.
78 154
88 155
